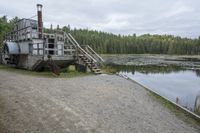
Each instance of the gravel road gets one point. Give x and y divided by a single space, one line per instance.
101 104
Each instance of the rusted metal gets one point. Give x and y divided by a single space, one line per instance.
39 14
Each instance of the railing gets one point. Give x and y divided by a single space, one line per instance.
94 54
75 43
59 52
22 34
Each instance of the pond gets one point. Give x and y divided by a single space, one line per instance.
172 82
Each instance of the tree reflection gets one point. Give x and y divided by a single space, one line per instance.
150 69
147 69
197 73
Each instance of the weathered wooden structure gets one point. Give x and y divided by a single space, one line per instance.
28 47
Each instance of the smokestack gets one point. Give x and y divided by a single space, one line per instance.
39 14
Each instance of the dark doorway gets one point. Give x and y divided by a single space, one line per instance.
51 45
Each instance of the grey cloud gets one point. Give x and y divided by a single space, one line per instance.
178 17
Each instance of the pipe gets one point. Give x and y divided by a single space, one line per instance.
40 26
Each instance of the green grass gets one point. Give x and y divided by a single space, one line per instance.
108 70
69 72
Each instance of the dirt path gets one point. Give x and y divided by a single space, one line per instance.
102 104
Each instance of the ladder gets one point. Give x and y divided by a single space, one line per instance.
89 57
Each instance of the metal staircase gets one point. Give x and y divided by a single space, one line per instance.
87 55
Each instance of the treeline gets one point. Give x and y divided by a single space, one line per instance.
6 25
108 43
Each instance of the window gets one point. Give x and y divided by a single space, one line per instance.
30 48
34 26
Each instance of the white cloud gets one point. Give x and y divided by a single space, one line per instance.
115 21
178 8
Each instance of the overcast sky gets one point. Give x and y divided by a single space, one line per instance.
177 17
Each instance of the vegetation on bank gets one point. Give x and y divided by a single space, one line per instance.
108 43
69 72
146 69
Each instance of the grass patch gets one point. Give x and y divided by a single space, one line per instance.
185 116
69 72
109 70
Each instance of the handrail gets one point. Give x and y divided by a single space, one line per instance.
81 49
101 59
14 35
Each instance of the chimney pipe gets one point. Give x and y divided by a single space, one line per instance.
39 14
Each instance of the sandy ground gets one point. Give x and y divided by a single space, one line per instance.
102 104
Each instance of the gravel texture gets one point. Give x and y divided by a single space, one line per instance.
102 104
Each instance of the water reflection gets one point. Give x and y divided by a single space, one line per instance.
151 69
178 84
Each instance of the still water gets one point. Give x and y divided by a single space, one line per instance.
179 85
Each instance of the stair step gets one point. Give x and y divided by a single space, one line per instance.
87 62
97 73
83 57
94 67
90 64
97 70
